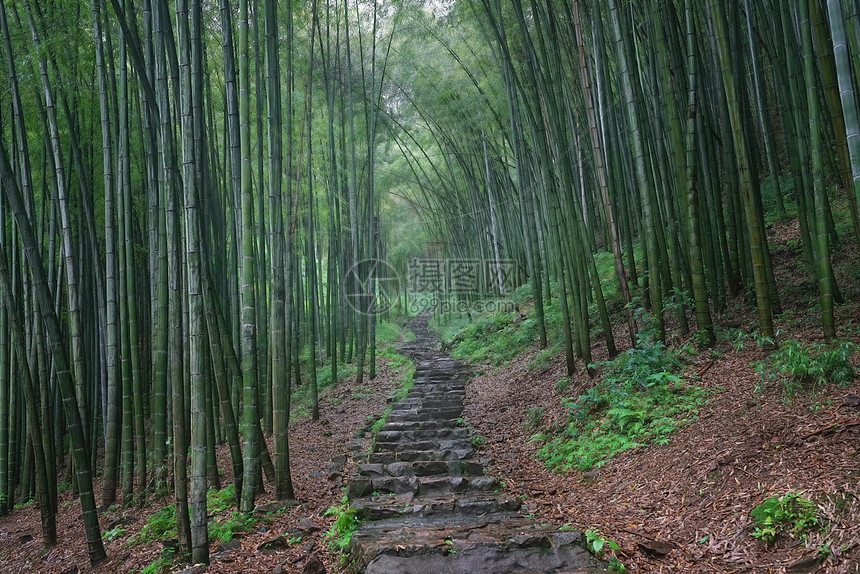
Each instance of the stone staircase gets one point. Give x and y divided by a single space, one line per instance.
427 504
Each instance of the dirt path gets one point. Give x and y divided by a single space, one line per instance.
427 503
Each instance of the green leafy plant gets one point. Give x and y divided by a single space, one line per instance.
792 513
220 500
495 339
534 417
340 534
541 362
160 526
225 529
114 533
639 400
803 366
478 440
562 385
162 563
599 545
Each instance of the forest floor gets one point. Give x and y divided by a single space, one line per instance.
695 493
346 412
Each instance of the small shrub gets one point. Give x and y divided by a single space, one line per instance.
599 545
114 533
225 529
541 362
534 417
802 366
160 526
340 534
790 513
562 385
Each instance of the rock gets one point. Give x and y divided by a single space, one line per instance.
222 557
277 506
529 541
656 548
279 544
229 546
278 570
397 468
309 547
314 566
359 487
809 563
371 470
851 401
25 539
71 570
307 526
121 521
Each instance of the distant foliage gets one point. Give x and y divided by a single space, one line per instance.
800 366
639 400
496 339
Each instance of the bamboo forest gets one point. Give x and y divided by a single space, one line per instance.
425 286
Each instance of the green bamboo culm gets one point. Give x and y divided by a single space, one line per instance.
822 247
846 89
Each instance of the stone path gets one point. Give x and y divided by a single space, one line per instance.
426 502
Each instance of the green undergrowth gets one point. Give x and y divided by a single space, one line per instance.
347 522
224 524
504 331
496 339
791 513
798 367
640 399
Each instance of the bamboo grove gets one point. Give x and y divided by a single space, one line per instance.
165 283
667 133
191 190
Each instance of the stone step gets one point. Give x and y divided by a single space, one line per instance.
386 436
406 508
429 486
427 443
418 425
415 416
411 456
422 468
486 547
